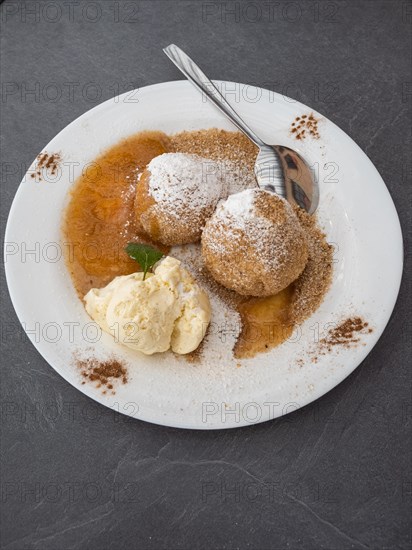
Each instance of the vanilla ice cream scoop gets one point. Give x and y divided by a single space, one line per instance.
166 310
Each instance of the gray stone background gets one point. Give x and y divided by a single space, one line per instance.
334 475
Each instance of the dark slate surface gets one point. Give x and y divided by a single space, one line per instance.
333 475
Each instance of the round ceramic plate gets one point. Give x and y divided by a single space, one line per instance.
355 210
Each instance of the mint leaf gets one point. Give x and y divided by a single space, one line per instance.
145 255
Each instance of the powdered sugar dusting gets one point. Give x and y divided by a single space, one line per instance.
240 204
180 180
229 222
238 212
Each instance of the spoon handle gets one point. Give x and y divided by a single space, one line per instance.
189 68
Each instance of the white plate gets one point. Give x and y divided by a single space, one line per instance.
355 210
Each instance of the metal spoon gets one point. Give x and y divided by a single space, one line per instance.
278 169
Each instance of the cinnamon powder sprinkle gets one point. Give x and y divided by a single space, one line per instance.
346 334
103 373
304 126
310 288
48 162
